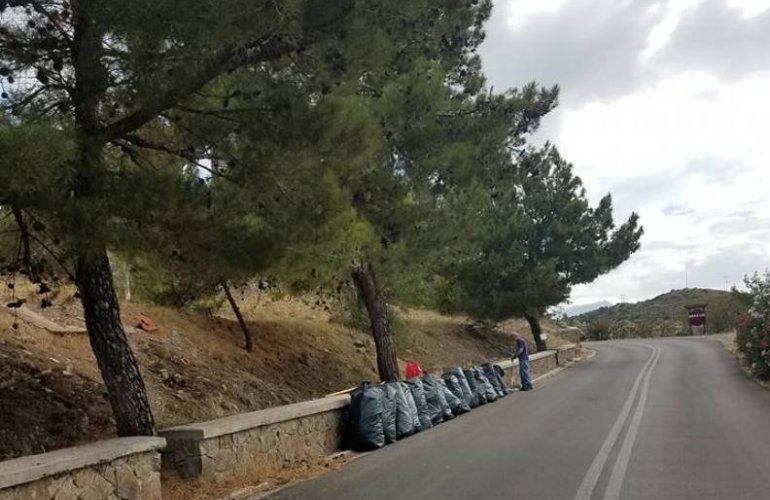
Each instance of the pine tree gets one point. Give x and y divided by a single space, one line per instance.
113 74
537 237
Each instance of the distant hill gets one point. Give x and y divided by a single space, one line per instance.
722 308
573 311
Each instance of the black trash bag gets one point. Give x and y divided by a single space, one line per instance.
495 379
404 419
365 430
489 371
435 411
418 393
455 403
411 406
446 408
489 389
468 396
479 391
454 385
500 373
434 389
450 380
389 414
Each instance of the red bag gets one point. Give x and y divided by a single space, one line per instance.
413 369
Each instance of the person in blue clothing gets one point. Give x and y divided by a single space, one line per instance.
523 356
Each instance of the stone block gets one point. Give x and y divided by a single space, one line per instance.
92 484
128 486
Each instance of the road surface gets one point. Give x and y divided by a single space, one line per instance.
661 419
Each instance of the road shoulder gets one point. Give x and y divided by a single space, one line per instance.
727 340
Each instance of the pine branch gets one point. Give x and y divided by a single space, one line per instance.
228 59
53 20
145 144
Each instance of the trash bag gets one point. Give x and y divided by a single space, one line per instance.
456 388
411 407
468 396
479 391
418 393
431 398
500 373
495 379
455 404
434 395
388 414
489 389
365 430
403 422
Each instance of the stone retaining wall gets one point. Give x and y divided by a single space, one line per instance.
540 363
256 442
264 440
261 441
115 469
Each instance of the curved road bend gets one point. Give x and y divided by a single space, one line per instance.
664 419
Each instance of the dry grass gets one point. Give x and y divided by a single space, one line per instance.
264 478
195 368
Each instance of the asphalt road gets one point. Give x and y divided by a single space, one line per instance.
650 419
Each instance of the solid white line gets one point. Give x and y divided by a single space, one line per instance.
624 455
592 476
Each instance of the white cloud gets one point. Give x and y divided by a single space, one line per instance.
661 33
521 11
659 130
750 8
665 105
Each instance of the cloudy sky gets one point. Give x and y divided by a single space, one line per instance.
666 105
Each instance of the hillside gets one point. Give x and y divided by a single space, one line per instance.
722 308
195 369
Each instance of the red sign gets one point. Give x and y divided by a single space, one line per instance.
697 317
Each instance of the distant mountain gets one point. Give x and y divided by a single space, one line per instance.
585 308
722 308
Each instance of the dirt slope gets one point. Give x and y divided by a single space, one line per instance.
52 396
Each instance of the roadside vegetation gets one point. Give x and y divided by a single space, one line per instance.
664 315
753 330
351 151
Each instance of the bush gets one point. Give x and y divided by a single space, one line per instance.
598 330
753 328
624 329
753 341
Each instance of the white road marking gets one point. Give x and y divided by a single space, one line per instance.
624 455
586 488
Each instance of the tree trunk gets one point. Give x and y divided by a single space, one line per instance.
537 331
87 232
26 248
117 363
377 309
249 345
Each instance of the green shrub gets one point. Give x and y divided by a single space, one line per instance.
753 341
753 328
598 330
